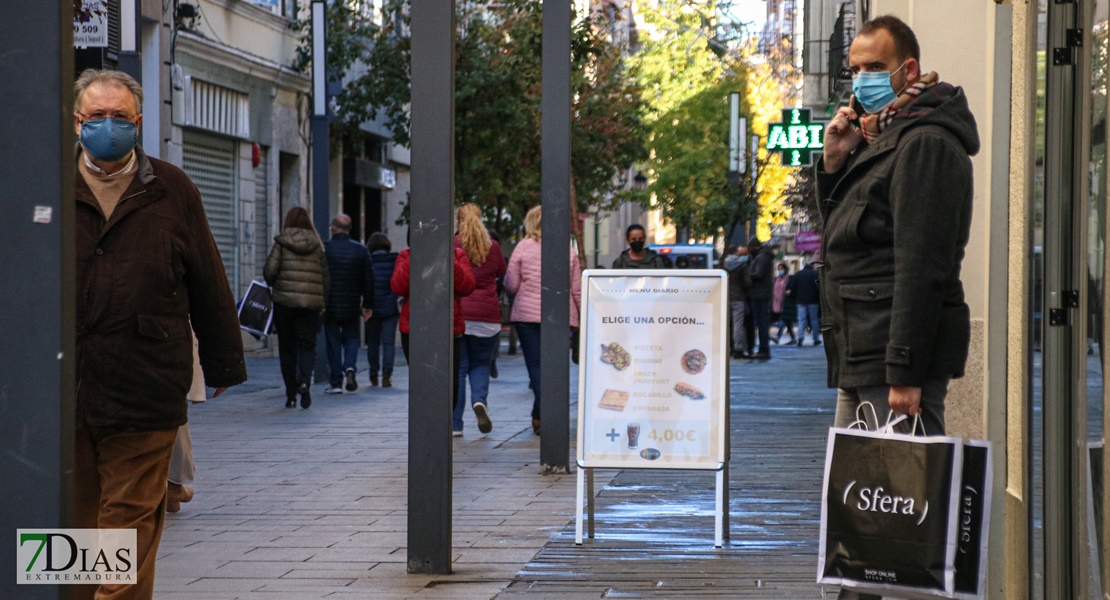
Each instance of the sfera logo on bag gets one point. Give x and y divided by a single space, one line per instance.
877 499
75 556
967 516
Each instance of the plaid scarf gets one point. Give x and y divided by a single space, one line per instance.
873 125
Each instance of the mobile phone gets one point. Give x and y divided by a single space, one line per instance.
856 106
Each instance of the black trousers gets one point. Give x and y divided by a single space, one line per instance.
456 364
296 329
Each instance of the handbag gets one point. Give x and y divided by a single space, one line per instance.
905 515
256 310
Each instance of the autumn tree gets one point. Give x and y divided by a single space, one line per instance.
687 71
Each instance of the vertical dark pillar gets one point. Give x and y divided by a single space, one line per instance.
555 192
432 282
319 122
36 277
320 153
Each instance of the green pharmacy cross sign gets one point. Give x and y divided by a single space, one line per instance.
797 137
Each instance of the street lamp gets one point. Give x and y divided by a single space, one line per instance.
639 182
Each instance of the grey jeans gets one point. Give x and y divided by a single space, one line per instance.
933 393
739 336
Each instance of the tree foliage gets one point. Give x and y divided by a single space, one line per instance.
498 86
687 71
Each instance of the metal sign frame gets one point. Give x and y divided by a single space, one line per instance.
648 289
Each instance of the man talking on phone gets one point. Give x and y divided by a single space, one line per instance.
895 184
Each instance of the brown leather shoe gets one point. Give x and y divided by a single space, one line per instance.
175 495
536 426
387 380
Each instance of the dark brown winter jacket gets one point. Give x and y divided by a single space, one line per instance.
142 277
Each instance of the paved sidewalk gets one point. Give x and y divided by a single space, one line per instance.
301 504
304 504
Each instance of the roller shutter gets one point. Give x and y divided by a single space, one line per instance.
210 161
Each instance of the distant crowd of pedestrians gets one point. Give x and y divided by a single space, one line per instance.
342 285
763 296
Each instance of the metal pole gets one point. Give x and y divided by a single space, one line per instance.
37 412
320 208
753 190
432 283
319 123
597 238
555 191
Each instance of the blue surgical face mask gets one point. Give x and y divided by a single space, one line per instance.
873 89
108 139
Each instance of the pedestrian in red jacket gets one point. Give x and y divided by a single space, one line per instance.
482 314
464 285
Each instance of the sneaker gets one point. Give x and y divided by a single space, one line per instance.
335 389
352 385
456 433
373 380
484 424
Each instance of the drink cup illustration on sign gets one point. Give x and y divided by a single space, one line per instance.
633 435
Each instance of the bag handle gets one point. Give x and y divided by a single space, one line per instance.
861 423
918 424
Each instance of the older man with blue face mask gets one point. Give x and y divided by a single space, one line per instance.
147 267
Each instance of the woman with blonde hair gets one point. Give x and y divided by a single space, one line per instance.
522 280
297 273
482 314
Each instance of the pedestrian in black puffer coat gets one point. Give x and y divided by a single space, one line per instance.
762 291
350 301
381 328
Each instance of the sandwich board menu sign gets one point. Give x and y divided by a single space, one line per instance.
653 375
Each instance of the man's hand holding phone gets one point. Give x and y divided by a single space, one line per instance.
842 136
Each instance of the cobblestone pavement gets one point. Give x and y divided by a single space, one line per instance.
304 504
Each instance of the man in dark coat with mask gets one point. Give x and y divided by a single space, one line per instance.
895 185
762 272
